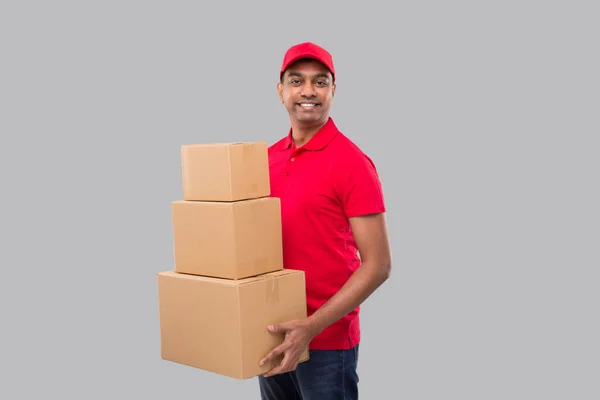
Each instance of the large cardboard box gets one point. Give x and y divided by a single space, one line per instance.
231 240
225 171
220 325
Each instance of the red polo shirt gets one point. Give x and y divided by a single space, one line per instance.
321 185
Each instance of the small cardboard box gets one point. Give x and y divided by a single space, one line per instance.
220 325
231 240
225 171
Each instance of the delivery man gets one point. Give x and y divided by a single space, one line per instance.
334 229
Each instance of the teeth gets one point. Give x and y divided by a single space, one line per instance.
307 105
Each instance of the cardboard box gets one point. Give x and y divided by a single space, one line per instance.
231 240
220 325
225 171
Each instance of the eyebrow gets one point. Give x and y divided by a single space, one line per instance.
319 75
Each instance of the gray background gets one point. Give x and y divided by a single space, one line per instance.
482 119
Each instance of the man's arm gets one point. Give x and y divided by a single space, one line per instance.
370 233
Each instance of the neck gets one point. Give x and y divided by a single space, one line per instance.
302 133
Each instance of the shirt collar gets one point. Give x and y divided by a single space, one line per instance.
319 140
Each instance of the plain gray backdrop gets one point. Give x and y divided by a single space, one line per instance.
481 118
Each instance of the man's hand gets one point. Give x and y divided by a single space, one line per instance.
298 334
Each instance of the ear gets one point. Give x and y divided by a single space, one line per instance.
280 91
333 90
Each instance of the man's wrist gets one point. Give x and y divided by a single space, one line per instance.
315 326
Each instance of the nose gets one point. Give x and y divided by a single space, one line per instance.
308 90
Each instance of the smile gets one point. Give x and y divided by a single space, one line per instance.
307 105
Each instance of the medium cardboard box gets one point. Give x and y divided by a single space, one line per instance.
231 240
220 325
225 171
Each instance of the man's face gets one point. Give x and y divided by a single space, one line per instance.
307 91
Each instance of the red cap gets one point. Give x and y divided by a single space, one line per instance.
307 50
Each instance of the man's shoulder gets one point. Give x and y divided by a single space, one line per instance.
344 141
350 150
277 145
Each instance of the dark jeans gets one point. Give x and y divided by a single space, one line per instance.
327 375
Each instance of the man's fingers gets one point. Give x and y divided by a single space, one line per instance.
280 369
282 348
285 366
269 357
274 353
275 371
278 328
284 326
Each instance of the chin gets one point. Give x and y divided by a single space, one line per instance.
308 117
309 121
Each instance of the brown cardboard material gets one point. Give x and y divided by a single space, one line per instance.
225 171
231 240
220 325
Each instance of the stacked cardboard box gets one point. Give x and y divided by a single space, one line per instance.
228 283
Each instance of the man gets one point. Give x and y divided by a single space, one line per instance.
334 229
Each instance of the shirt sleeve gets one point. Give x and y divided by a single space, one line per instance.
360 189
